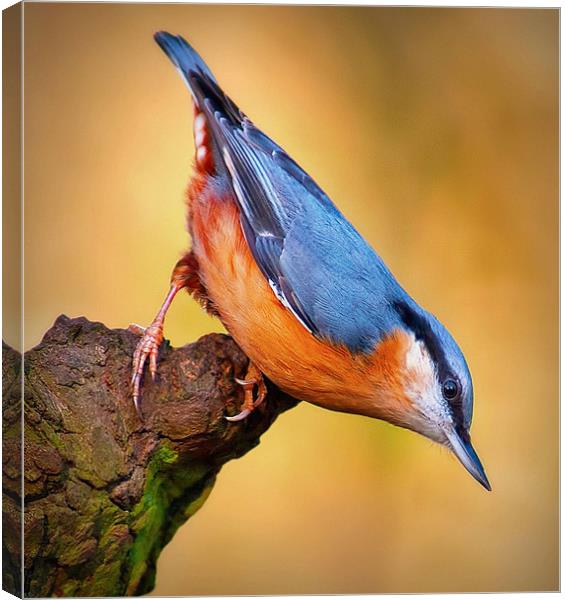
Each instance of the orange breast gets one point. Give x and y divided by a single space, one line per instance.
296 361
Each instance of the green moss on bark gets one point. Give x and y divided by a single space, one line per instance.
154 517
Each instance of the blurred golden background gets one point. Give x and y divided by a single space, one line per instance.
436 133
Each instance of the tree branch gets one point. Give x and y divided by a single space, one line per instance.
104 491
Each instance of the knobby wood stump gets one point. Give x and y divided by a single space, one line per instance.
104 491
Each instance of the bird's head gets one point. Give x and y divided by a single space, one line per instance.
430 388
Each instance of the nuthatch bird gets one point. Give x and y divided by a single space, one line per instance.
303 294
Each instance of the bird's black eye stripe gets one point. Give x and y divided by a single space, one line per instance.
450 389
416 323
421 329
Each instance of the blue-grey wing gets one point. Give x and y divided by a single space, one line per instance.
315 261
317 264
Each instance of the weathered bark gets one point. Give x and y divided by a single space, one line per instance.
104 491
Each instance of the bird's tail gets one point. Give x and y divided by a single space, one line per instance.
204 88
183 56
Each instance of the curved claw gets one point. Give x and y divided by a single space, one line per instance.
261 392
253 380
138 406
240 416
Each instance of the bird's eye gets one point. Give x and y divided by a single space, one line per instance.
450 389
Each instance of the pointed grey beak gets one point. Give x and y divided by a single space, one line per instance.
466 454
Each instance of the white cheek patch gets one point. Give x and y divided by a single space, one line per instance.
421 384
419 364
415 358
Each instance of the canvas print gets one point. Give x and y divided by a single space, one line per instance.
330 229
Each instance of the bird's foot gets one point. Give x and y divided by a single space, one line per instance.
253 382
151 338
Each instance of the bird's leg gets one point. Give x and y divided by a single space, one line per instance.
151 338
185 275
254 380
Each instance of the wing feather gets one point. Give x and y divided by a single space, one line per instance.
317 264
